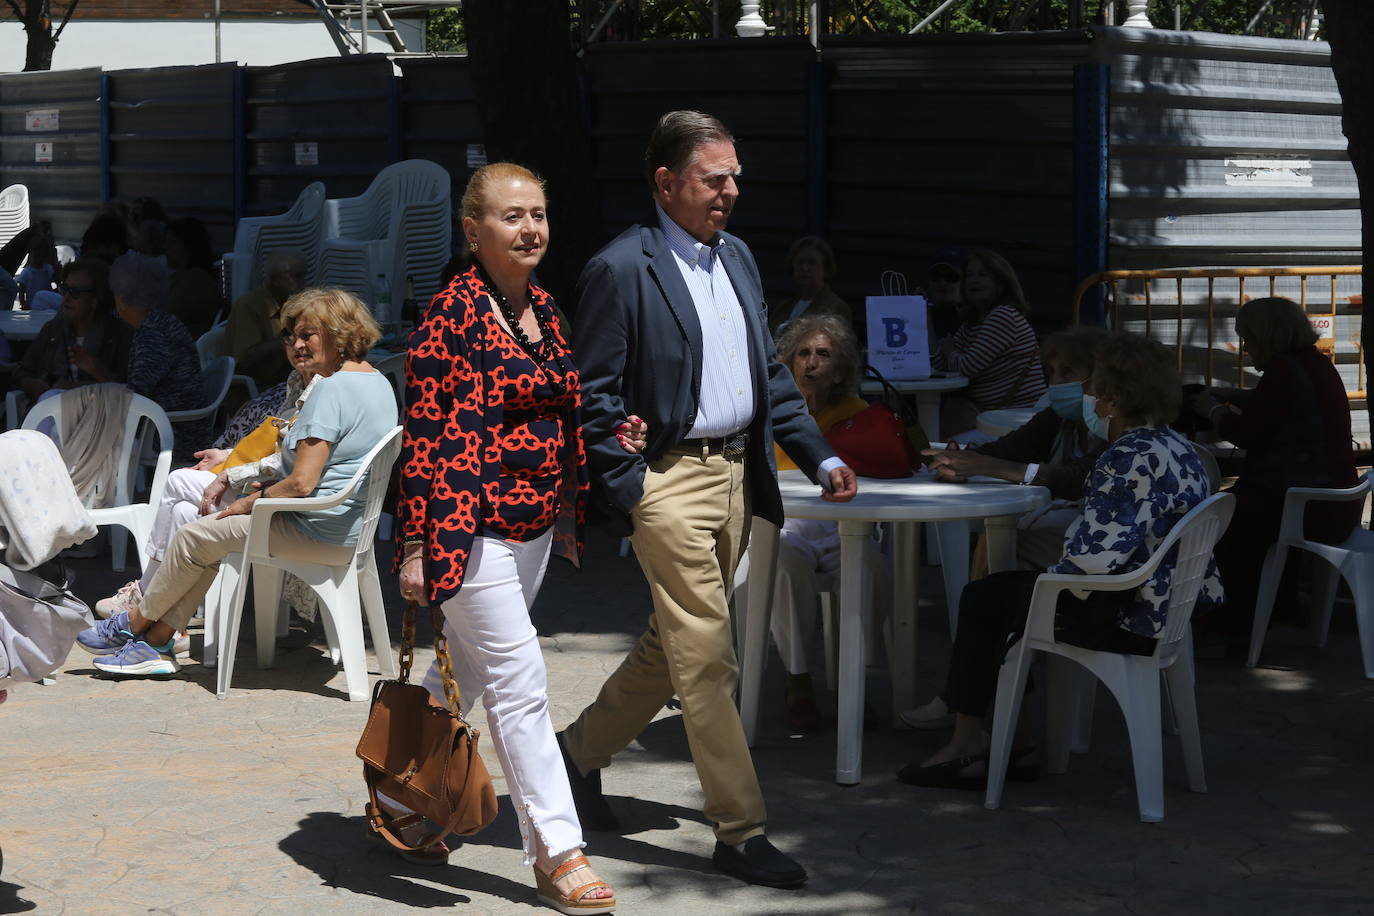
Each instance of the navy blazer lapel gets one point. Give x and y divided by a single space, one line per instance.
663 268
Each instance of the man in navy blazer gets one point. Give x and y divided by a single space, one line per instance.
671 325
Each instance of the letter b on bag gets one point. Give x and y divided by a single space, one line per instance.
895 329
897 344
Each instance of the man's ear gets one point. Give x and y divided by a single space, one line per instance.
664 181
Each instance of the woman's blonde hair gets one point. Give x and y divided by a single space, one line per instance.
1003 273
479 185
844 349
1274 325
1139 376
341 313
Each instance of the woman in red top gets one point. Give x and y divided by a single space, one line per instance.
492 467
1295 429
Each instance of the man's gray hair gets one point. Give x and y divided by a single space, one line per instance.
140 281
282 259
677 136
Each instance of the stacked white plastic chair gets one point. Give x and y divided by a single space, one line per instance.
1352 559
347 592
1133 679
14 211
137 517
299 229
400 227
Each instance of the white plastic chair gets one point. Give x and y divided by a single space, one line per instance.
1133 679
300 228
137 517
14 211
347 592
212 344
216 376
400 227
1353 558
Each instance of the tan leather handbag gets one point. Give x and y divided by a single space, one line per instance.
422 755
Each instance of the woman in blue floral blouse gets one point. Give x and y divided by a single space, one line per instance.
1148 478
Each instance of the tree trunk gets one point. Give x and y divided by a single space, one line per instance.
1350 30
38 53
529 97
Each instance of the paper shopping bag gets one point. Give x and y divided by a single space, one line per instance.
897 340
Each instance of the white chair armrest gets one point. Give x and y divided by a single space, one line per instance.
1296 499
1048 586
247 383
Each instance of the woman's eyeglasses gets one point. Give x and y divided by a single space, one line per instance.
74 291
290 337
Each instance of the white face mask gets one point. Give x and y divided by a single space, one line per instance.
1096 425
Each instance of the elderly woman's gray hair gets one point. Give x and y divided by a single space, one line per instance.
139 281
844 349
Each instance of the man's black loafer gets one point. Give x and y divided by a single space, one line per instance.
760 862
593 811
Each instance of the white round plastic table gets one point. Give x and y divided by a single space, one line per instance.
22 325
927 391
919 498
1004 420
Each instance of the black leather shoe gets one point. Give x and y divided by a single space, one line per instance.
592 809
760 863
952 774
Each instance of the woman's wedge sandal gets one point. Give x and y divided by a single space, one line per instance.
576 903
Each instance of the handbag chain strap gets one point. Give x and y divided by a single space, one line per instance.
441 653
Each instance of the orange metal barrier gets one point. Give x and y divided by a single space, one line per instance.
1173 312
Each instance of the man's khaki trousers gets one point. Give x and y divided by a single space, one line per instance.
690 529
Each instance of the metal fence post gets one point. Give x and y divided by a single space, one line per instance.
240 143
106 179
817 127
398 151
1091 95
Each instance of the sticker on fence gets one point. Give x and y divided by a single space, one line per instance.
1269 173
42 152
41 119
477 155
307 154
1324 325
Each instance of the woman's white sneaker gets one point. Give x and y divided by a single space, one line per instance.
129 597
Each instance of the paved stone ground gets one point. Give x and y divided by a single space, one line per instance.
154 797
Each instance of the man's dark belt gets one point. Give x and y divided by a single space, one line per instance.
731 447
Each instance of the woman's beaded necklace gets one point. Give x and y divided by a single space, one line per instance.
539 352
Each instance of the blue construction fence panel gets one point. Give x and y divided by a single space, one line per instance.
1067 151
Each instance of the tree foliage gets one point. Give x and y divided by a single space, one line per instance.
444 32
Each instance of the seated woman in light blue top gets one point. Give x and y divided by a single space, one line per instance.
344 416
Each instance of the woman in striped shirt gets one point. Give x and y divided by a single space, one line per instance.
995 346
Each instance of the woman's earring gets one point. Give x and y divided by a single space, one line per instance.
472 246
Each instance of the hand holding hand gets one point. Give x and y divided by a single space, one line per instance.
843 485
632 434
213 491
239 506
957 466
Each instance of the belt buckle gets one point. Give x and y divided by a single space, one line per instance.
735 446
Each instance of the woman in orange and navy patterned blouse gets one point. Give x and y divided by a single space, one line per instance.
492 477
